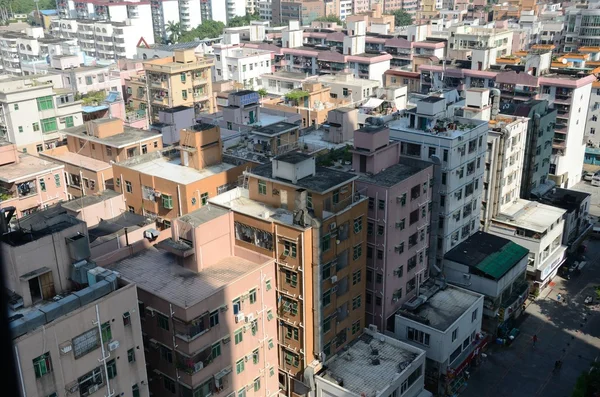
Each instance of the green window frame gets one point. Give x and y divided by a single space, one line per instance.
163 321
57 180
167 201
358 225
183 78
106 332
184 95
326 325
355 327
111 368
269 315
356 276
204 198
135 390
255 356
268 284
262 187
257 384
49 125
271 344
131 355
254 326
357 251
291 278
252 295
336 197
20 128
45 103
239 336
43 185
35 126
215 350
325 243
16 106
239 366
271 371
69 121
289 249
309 203
356 302
42 365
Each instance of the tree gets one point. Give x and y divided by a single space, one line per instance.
207 30
330 18
402 18
262 92
588 383
242 21
174 29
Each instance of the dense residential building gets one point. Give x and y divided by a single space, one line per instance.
445 321
376 21
240 64
592 127
346 86
180 80
28 183
496 268
581 25
539 228
374 364
209 309
397 225
429 130
304 11
166 185
85 79
34 110
72 334
313 222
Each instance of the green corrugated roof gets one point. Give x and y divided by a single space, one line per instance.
497 264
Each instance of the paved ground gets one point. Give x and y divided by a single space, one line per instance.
570 332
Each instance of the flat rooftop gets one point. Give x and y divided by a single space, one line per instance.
157 165
443 308
203 215
115 226
39 225
354 366
324 179
293 157
238 200
77 160
28 167
392 175
159 273
530 215
275 129
488 255
85 201
566 199
129 136
287 76
432 99
399 128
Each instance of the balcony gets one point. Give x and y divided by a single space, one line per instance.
561 128
559 144
158 83
160 100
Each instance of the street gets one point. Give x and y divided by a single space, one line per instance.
566 331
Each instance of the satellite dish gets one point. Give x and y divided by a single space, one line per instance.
564 61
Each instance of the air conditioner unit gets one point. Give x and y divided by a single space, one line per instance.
74 388
153 344
332 225
66 349
397 248
93 389
250 318
240 318
398 225
334 279
198 366
114 345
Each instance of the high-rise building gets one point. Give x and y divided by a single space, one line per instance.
398 222
75 330
180 80
312 221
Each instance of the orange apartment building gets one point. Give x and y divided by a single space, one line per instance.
208 310
29 183
180 80
93 146
313 223
179 181
375 16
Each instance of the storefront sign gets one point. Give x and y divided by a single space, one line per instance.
548 269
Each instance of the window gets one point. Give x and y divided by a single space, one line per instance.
204 198
86 342
43 185
381 204
336 197
214 318
163 321
357 251
325 242
474 315
358 224
454 334
256 384
45 103
69 121
167 201
108 151
369 228
326 298
269 315
111 368
400 225
92 379
106 332
183 77
239 336
184 95
16 106
378 300
417 336
445 155
49 125
36 126
241 393
262 187
356 302
88 80
403 199
271 344
131 355
371 203
252 295
327 325
309 203
215 350
415 192
57 180
380 230
42 365
126 319
413 217
135 390
355 327
128 187
268 285
289 249
291 278
356 277
20 129
380 254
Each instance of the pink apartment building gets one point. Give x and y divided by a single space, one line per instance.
209 310
397 224
75 330
29 183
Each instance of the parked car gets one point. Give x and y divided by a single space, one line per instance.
587 176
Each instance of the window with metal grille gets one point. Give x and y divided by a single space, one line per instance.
85 343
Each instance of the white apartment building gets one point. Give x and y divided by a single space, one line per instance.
189 14
582 26
460 144
233 8
445 321
265 10
163 13
346 85
240 64
345 9
539 228
84 79
592 126
34 110
463 38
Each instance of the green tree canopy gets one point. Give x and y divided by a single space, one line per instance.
175 30
402 18
330 18
588 383
207 30
26 6
242 21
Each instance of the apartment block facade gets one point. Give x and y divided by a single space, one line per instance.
211 327
398 223
312 221
75 329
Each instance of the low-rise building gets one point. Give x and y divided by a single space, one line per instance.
345 86
84 79
173 183
445 321
496 268
274 139
74 328
282 82
209 309
341 124
539 228
577 215
29 183
171 121
374 364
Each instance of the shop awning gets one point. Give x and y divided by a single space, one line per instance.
222 373
372 103
478 347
